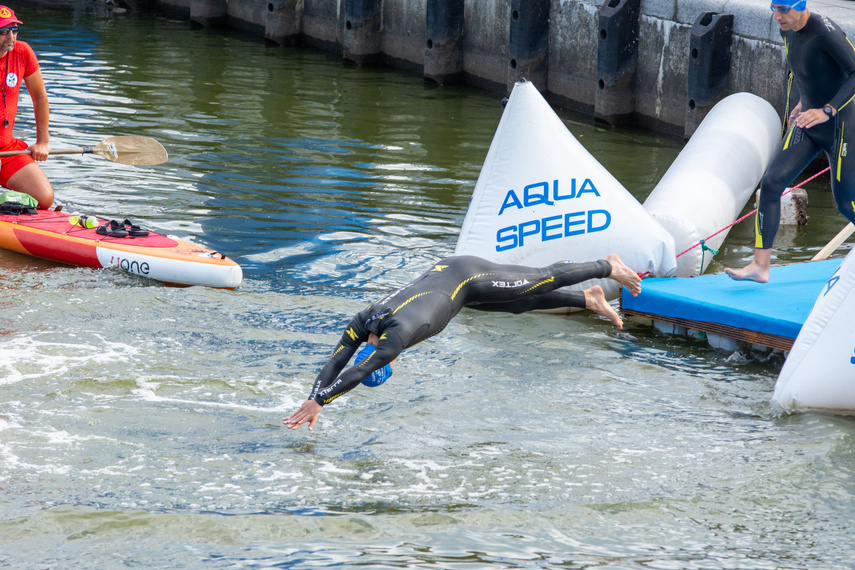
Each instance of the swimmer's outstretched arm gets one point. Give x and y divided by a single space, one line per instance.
341 355
308 412
310 409
386 353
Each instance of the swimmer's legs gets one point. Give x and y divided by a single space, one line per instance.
592 299
624 275
596 301
559 299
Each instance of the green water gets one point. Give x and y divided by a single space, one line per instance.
140 425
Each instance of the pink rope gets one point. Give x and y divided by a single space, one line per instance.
749 214
752 212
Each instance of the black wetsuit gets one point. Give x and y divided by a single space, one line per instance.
424 307
822 61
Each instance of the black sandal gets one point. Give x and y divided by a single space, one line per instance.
133 230
112 229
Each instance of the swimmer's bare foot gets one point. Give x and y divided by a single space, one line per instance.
757 270
624 275
595 301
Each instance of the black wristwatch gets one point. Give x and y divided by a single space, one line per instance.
828 110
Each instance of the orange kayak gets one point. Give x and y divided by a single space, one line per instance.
50 235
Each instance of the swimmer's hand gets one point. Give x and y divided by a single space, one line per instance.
308 412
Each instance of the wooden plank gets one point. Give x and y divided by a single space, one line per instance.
744 335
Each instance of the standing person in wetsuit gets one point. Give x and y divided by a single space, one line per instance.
822 64
423 308
18 64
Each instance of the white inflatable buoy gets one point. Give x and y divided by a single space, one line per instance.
714 176
542 198
819 373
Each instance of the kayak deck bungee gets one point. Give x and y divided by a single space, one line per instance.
50 235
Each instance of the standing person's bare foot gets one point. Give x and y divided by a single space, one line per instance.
624 275
757 270
595 300
750 272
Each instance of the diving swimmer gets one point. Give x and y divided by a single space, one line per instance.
424 307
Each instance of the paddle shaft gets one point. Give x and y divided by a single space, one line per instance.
835 243
81 150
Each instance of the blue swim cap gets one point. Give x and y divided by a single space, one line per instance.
378 376
797 5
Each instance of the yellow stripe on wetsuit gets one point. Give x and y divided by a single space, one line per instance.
846 103
536 285
413 298
789 136
463 284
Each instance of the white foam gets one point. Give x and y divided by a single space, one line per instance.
26 357
146 393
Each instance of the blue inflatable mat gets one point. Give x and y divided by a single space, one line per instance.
778 307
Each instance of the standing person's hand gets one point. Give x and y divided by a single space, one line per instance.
794 114
811 118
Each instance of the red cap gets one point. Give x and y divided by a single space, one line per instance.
7 17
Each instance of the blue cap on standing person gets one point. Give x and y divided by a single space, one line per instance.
378 376
797 5
7 17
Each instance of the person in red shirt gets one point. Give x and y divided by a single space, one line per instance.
18 63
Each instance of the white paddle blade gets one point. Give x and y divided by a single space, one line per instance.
137 151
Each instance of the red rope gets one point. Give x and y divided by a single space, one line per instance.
827 168
749 214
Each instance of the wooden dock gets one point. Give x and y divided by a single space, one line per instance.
732 313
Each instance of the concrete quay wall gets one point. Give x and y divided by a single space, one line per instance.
660 64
